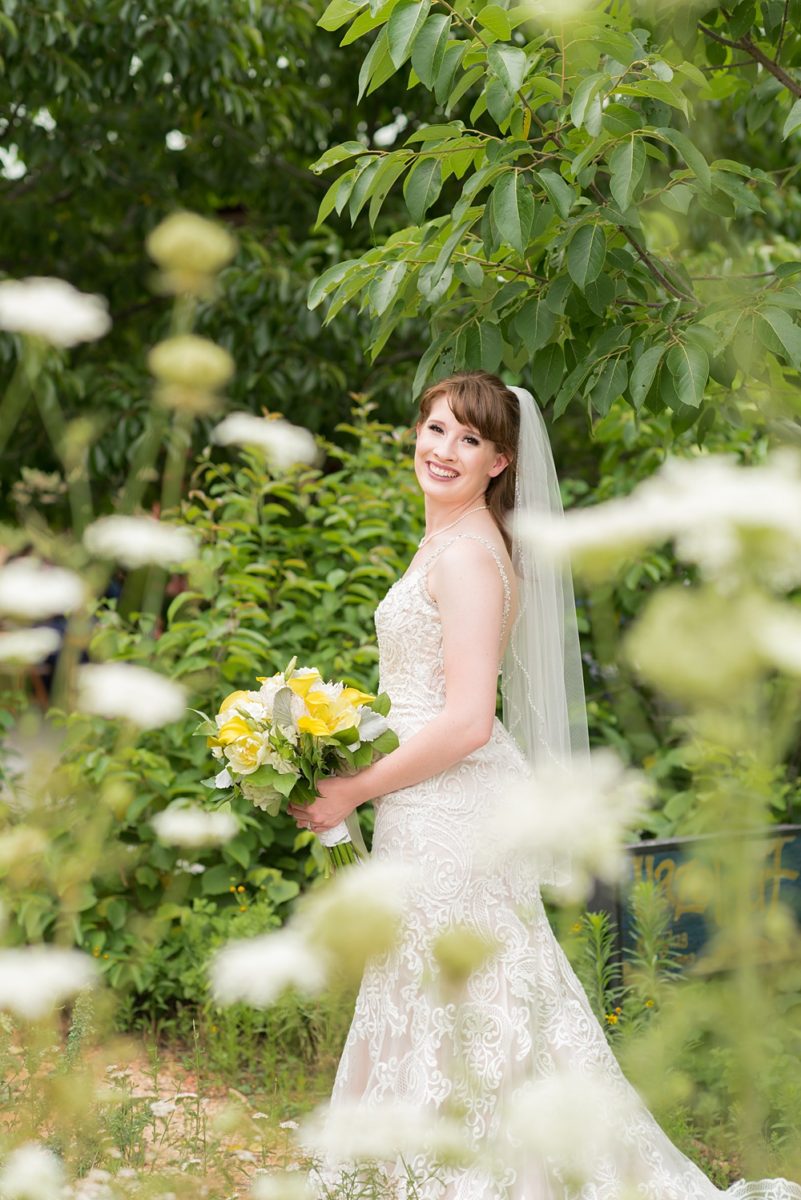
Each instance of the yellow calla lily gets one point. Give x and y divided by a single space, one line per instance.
301 684
234 728
314 725
354 696
233 699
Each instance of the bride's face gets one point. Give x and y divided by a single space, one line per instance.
452 461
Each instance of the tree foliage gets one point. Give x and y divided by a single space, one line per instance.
599 205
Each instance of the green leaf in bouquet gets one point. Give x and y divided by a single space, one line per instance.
381 704
206 727
267 776
289 669
386 743
363 756
346 736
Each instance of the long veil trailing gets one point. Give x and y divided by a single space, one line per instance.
542 681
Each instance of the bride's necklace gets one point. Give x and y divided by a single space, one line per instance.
437 532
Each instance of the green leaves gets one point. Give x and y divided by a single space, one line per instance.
513 210
406 21
793 120
689 366
586 254
428 50
626 163
643 373
423 185
787 332
508 64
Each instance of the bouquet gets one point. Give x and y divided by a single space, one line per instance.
279 741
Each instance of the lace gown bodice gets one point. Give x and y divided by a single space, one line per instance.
523 1015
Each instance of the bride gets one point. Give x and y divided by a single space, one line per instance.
471 599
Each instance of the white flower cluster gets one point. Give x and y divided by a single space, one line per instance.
52 309
186 824
283 443
136 694
31 590
583 812
356 915
135 541
31 1172
730 520
36 979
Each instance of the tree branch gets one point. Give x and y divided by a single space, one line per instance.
745 43
643 254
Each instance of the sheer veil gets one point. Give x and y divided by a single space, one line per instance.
542 681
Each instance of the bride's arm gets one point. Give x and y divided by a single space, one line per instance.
467 588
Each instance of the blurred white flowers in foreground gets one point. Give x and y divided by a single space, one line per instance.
28 645
336 928
52 309
282 442
277 1185
35 979
575 1121
258 970
382 1132
135 541
730 520
31 1172
120 690
584 812
33 590
183 824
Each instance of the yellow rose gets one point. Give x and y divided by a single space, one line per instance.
234 698
234 727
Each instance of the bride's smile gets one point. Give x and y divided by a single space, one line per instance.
453 463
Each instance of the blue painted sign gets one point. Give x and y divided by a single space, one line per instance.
690 872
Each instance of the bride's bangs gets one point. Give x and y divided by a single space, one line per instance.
482 402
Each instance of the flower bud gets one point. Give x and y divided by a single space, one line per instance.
185 242
192 362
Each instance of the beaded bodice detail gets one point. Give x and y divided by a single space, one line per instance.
412 669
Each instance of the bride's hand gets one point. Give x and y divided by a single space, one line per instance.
336 799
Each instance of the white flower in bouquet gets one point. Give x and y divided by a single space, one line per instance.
32 590
258 970
28 645
135 541
52 309
584 812
31 1172
184 824
121 690
36 979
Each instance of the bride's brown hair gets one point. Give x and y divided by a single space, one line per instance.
482 401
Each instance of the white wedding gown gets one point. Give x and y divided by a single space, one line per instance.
524 1015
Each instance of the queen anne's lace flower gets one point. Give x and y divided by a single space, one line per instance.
189 825
52 309
120 690
28 645
135 541
32 590
36 979
282 442
258 970
31 1172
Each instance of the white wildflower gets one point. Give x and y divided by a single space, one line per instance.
28 645
575 1121
31 1172
31 589
35 979
184 824
358 914
730 520
189 868
282 442
276 1186
135 693
584 812
186 242
134 541
163 1108
52 309
778 636
353 1132
258 970
189 361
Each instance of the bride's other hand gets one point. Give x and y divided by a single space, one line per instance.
337 797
